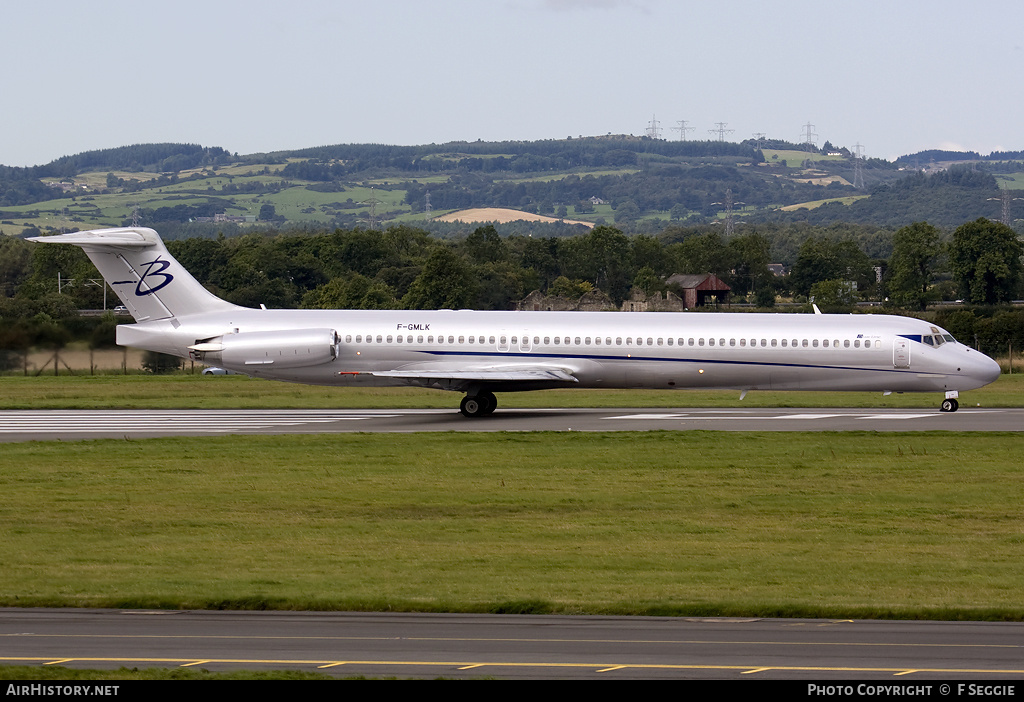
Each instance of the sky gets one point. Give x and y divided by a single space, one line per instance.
254 76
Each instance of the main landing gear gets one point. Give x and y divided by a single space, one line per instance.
479 405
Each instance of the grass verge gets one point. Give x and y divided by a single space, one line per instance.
211 392
853 524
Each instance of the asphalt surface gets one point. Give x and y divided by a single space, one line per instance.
516 646
28 425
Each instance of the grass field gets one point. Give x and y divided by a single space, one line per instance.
919 525
208 392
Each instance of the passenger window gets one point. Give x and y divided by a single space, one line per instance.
784 343
618 341
587 341
805 343
825 343
700 342
711 342
743 342
814 343
775 342
846 343
451 339
557 341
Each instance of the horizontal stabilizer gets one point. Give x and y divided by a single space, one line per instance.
138 268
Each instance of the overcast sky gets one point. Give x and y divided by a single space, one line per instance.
251 76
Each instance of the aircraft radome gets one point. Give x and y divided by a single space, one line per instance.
481 353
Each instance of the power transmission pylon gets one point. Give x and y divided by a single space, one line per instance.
809 135
654 128
1006 200
720 130
683 129
858 166
372 215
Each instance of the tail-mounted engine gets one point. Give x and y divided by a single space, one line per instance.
295 348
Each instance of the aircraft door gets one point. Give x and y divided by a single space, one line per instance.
503 342
901 353
525 345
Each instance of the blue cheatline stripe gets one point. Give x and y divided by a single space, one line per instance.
634 357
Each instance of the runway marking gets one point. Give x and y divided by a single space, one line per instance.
898 416
470 665
171 421
755 417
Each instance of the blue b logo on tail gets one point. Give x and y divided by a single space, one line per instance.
154 269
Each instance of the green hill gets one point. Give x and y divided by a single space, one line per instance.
638 184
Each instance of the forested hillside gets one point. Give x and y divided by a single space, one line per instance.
636 183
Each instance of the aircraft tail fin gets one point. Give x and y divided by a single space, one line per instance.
147 279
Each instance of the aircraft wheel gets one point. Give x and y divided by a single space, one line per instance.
490 401
473 406
949 406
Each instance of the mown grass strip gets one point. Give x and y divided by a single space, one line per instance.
211 392
926 525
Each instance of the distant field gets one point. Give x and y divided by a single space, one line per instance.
794 158
818 203
498 214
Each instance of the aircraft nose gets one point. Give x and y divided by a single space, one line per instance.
982 369
991 372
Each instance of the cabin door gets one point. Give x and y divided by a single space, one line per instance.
901 353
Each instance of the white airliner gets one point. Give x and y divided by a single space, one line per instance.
480 353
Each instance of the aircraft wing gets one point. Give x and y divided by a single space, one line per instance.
483 375
508 376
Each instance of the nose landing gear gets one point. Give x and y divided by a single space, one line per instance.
950 404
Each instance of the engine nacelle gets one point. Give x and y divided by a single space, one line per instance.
294 348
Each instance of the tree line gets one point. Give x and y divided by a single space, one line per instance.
405 267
